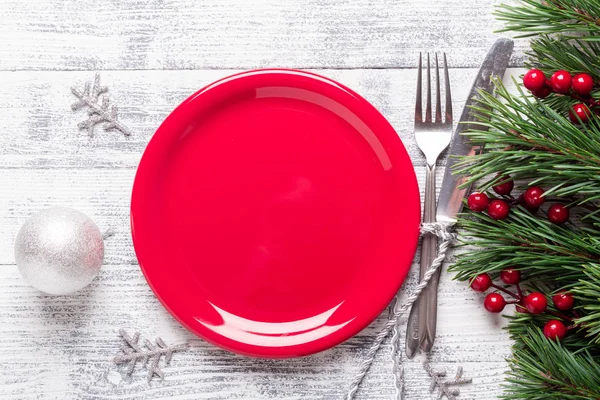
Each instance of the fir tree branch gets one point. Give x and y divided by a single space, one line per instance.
553 53
569 17
529 140
587 291
532 244
543 369
534 142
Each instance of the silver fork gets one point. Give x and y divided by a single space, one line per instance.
432 137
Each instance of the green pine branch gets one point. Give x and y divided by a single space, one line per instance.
572 18
528 139
587 291
552 53
543 369
533 244
534 142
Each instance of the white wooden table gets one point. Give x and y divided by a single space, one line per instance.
153 54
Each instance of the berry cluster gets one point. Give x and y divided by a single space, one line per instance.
532 199
534 302
578 87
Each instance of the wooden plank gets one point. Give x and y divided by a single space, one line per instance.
102 194
61 348
40 130
187 34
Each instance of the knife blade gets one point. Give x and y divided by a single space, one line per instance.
422 320
450 200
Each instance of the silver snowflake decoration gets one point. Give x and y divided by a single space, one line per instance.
443 385
132 352
99 107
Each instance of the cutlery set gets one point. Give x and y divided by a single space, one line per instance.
433 135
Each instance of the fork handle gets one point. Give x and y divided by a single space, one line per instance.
428 304
419 326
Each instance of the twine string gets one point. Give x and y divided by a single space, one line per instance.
444 232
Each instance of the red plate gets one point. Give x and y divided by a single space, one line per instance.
275 213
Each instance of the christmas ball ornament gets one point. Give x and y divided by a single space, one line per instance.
510 276
582 84
532 198
504 188
579 110
478 201
481 283
555 330
494 303
563 301
543 92
534 80
536 302
558 214
59 250
561 81
498 209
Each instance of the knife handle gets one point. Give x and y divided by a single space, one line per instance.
417 324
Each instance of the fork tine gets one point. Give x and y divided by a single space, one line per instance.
438 102
418 110
428 109
448 95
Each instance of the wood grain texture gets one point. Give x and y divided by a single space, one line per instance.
61 348
40 130
153 54
190 34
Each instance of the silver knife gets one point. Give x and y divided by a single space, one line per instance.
423 315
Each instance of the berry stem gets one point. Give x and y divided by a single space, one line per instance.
560 315
587 100
508 292
519 291
514 302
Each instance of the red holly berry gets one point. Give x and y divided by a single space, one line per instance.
582 84
555 330
494 303
534 80
478 201
563 301
543 92
529 208
532 198
481 283
558 213
498 209
510 276
561 81
505 188
536 302
579 110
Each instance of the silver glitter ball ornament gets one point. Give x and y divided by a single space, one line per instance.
59 250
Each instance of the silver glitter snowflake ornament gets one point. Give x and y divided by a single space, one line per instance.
132 352
99 107
443 385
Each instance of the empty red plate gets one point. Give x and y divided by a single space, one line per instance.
275 213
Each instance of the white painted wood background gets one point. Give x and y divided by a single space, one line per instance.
153 54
